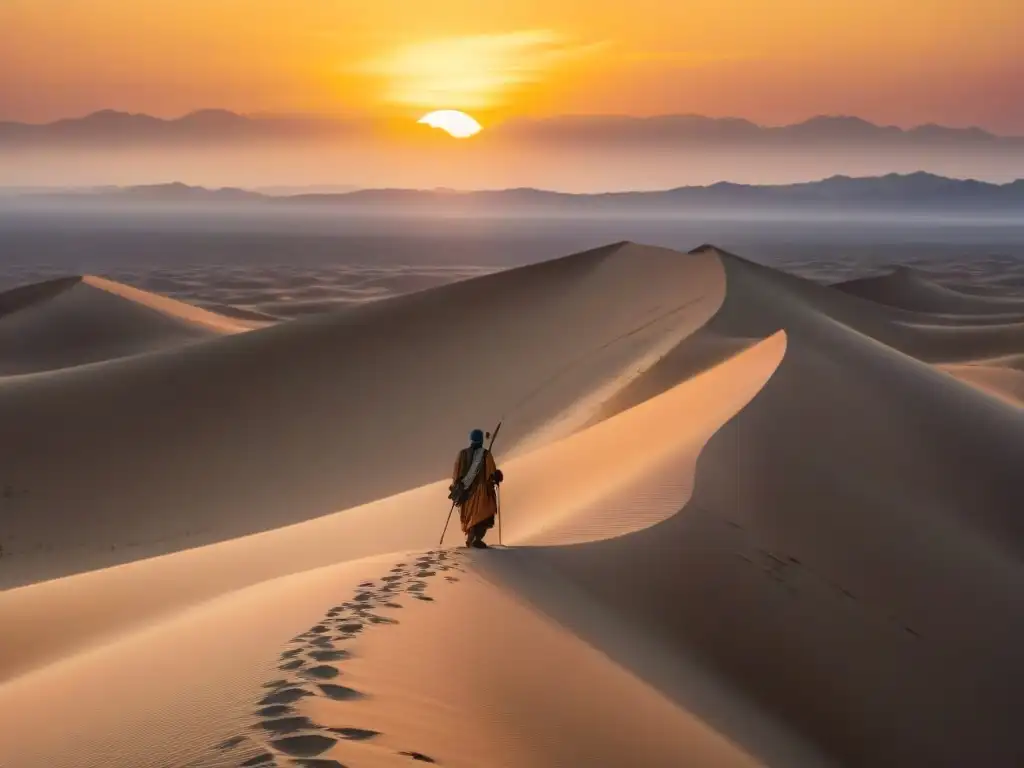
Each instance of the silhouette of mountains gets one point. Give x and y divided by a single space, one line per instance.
694 128
919 191
114 128
109 127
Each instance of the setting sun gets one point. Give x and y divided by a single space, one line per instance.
455 123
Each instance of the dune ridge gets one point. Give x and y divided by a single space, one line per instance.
862 567
86 319
297 405
904 288
755 513
975 336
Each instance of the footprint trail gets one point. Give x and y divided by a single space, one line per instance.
309 667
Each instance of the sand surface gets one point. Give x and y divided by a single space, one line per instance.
750 520
68 322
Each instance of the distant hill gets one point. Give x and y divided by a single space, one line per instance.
689 129
114 128
917 191
177 192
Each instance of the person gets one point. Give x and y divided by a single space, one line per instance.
474 482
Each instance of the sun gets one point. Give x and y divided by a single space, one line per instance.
455 123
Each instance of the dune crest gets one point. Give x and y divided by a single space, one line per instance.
304 418
849 532
77 320
167 306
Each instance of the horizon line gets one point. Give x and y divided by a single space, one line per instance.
352 189
367 117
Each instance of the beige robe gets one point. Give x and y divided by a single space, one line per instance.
482 502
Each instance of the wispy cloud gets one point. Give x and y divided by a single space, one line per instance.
472 72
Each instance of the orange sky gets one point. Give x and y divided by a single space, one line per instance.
907 62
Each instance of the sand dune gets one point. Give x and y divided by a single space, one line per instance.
973 336
1004 382
77 320
857 520
753 521
296 419
906 289
273 291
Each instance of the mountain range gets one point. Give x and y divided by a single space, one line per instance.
922 191
113 128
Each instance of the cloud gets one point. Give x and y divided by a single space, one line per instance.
471 72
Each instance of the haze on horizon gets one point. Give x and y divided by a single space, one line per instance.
898 62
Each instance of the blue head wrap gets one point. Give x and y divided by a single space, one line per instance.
476 437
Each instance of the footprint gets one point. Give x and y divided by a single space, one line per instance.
299 737
322 672
339 692
355 734
307 745
330 655
285 725
231 743
419 756
285 696
263 759
275 710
